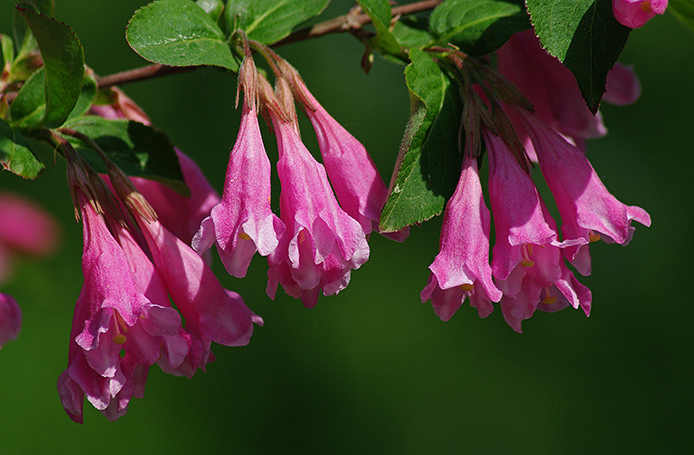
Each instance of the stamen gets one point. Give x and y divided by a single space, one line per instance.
467 287
593 236
646 6
244 236
549 299
121 329
526 251
302 235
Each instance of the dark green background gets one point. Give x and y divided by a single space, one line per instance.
372 370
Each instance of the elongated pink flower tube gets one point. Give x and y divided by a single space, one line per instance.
462 267
111 315
10 319
322 243
635 13
585 205
358 185
243 222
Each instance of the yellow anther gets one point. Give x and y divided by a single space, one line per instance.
244 236
646 6
120 339
302 235
525 263
549 298
467 287
526 251
593 236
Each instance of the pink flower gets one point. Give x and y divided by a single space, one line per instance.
322 243
357 183
462 267
635 13
557 100
243 222
10 319
586 207
111 315
24 228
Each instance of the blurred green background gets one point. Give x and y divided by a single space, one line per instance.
372 370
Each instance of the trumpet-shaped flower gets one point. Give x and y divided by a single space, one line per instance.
587 209
322 243
635 13
10 319
462 267
111 315
243 222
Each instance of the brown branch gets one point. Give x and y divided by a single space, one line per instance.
346 23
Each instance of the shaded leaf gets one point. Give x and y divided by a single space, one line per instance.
412 31
268 21
89 90
29 106
478 27
584 36
429 161
63 60
380 15
178 33
139 150
15 155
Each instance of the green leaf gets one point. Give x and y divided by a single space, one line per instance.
7 49
412 31
178 33
380 15
63 60
29 107
139 150
15 155
89 90
22 34
213 8
477 27
430 161
584 36
268 21
683 10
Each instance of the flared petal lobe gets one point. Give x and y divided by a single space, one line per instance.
635 13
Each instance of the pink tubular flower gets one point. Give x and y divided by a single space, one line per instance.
357 183
322 243
635 13
10 319
585 205
24 228
243 222
462 267
557 100
111 315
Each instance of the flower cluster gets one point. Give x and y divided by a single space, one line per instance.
528 269
134 268
320 235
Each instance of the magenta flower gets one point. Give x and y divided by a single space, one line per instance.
211 313
111 315
587 209
461 268
243 222
635 13
557 100
10 319
25 228
358 186
322 243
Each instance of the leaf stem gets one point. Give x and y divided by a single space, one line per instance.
342 24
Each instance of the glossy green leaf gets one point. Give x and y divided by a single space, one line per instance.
15 155
63 60
29 106
87 96
429 161
380 15
178 33
139 150
22 33
478 27
268 21
683 10
584 36
213 8
412 31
